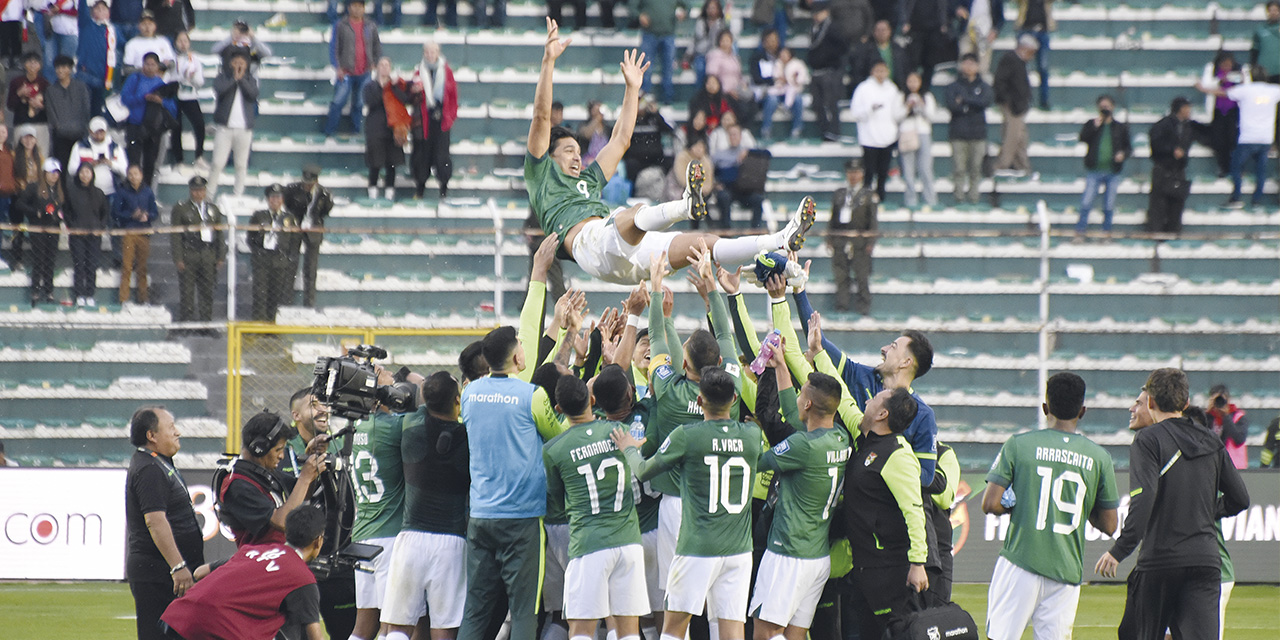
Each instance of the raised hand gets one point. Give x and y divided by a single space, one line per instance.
658 269
703 287
776 285
555 46
633 68
543 257
815 333
636 302
730 282
703 262
668 301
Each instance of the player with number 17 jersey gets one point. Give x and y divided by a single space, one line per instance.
1057 479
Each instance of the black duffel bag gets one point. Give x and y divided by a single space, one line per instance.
935 620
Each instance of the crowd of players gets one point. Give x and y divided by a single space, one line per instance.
578 474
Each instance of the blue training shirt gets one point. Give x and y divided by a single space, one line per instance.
507 421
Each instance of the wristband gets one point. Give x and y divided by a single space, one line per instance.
773 300
633 321
178 567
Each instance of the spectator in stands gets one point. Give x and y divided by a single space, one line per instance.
1229 422
718 139
967 100
853 19
695 129
1013 94
12 22
1108 146
485 19
706 37
8 186
678 177
927 22
880 47
165 543
26 99
100 151
197 255
96 55
125 15
273 255
28 167
236 105
62 29
795 83
878 108
592 134
242 40
134 209
723 63
1171 139
1035 18
979 23
42 204
648 147
1224 129
309 204
826 64
383 149
765 79
1257 99
711 101
86 214
189 73
1265 46
853 208
353 51
915 142
137 48
658 20
430 17
173 16
393 19
152 113
435 98
67 107
730 188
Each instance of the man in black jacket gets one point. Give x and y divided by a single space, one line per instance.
310 204
1177 470
967 99
927 23
1171 140
826 63
1013 94
1109 146
880 47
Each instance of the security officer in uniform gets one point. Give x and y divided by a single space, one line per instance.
273 251
198 254
853 208
310 204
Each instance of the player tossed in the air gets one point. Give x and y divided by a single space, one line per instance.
615 246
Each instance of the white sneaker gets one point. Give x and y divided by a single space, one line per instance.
201 165
391 193
799 224
90 302
373 193
80 301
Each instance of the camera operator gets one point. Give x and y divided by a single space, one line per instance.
253 499
312 440
262 591
428 562
1228 421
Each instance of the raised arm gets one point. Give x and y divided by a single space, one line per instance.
633 69
540 127
535 302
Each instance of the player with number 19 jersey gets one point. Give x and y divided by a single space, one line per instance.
1058 478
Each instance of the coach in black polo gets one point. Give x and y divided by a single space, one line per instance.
165 542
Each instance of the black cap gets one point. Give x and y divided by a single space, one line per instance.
310 171
274 190
853 164
197 182
819 5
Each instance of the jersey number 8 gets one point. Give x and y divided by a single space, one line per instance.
1056 486
721 481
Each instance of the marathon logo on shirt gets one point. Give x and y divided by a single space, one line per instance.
838 457
727 445
495 398
591 450
1050 454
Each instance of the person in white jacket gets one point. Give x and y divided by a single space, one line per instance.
877 107
915 142
188 72
105 154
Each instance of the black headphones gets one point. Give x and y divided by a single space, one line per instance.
261 445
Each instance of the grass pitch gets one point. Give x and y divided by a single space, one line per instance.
37 611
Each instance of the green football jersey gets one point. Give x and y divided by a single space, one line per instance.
378 472
587 473
1057 478
811 467
717 461
675 405
561 201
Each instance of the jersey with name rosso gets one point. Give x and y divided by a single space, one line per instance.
378 473
587 472
718 460
1057 479
811 464
507 476
559 200
676 404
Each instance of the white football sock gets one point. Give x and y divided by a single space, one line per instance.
713 628
397 635
667 636
743 250
354 637
660 217
581 638
629 637
611 634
